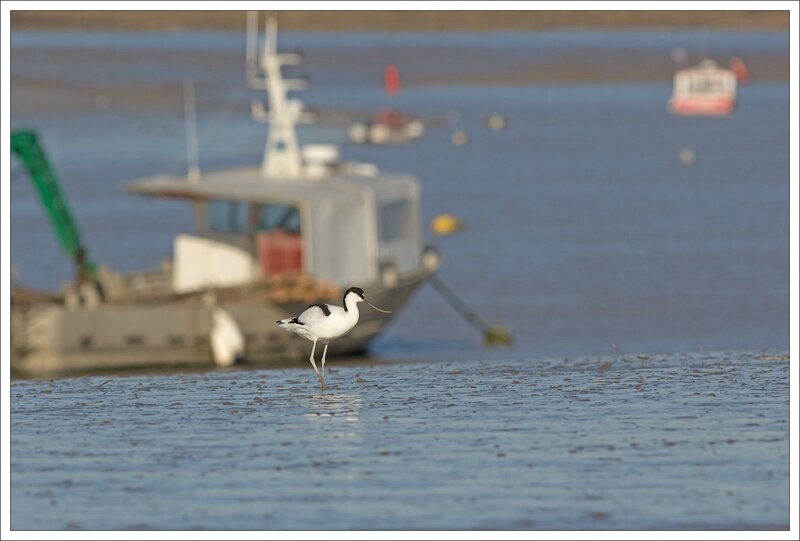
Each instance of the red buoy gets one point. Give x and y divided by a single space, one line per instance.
391 79
739 69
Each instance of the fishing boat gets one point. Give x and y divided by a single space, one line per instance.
706 89
388 127
299 228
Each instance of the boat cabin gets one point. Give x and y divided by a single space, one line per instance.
346 229
703 90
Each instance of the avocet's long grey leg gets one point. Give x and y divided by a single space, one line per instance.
324 352
314 364
311 358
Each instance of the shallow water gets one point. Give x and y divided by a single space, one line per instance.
688 441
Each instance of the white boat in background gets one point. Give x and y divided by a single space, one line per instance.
706 89
299 228
388 127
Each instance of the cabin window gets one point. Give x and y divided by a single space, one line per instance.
277 216
705 85
238 217
228 216
394 220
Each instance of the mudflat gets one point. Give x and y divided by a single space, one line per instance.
407 20
683 441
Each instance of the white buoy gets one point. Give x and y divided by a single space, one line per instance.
358 133
687 156
459 138
415 129
379 134
101 102
678 55
496 122
227 340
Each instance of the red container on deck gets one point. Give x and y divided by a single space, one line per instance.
279 252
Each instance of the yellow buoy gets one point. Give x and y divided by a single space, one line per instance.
446 224
497 336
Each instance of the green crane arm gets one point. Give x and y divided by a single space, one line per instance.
25 145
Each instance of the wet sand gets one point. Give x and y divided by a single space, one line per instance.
685 442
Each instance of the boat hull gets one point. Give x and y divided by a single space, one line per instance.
702 107
51 339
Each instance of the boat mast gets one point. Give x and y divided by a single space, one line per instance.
282 156
190 121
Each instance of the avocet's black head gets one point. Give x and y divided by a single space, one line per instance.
357 292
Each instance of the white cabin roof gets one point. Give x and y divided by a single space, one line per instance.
247 184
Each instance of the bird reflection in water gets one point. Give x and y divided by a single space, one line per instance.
340 406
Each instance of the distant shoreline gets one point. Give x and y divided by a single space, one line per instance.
412 20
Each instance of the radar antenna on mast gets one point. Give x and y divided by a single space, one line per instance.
282 156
